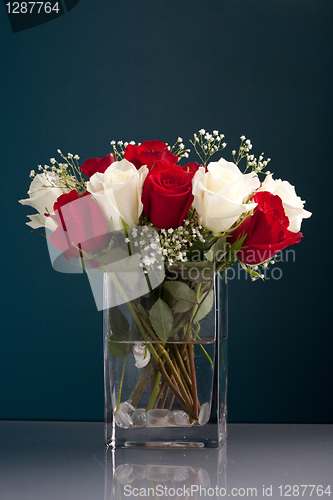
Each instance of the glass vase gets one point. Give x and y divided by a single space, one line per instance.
165 361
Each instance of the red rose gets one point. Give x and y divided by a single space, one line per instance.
191 167
167 195
81 224
67 198
148 153
267 230
90 167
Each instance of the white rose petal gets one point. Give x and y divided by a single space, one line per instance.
220 194
292 204
118 192
43 193
38 220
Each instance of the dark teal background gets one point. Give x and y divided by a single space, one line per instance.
142 70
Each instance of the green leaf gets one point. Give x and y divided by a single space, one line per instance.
119 333
230 256
254 274
119 349
118 324
181 291
148 300
142 311
235 247
177 305
180 324
205 307
199 248
210 254
221 248
181 306
161 319
218 250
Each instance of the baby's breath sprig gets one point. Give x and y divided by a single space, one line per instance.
145 239
206 144
177 243
257 165
174 244
71 171
59 174
119 148
243 150
255 270
179 150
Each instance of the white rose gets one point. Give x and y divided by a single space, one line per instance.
220 194
118 192
292 204
43 193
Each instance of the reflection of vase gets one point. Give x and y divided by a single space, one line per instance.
191 474
166 363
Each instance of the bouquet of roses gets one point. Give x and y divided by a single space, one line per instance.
180 223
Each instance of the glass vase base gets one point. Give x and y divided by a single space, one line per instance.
207 436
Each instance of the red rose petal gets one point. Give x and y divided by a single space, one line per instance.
167 195
148 153
267 230
94 165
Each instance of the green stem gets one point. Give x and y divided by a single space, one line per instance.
143 381
202 301
196 307
135 317
181 365
190 350
170 401
185 390
178 378
208 357
144 327
121 384
167 358
134 389
185 404
155 391
164 395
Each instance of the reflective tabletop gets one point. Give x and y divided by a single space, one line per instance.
67 460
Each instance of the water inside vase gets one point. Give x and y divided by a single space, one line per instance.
163 385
